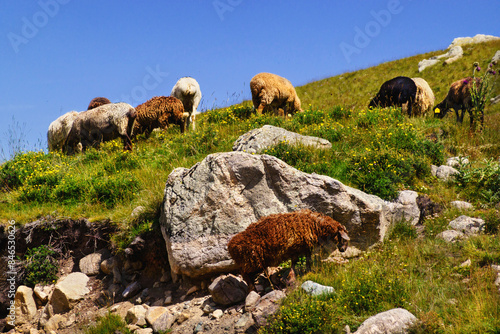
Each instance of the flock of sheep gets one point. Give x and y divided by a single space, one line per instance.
276 238
103 120
415 96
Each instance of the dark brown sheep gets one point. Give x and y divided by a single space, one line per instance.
97 102
280 237
458 98
158 112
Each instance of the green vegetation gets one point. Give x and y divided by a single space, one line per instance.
109 324
380 151
41 265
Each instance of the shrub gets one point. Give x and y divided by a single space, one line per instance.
480 183
112 189
403 230
109 324
41 265
382 173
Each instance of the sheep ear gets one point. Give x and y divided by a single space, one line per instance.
344 235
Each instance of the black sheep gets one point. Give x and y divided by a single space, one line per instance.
397 92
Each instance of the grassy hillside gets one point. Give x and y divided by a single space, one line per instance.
379 151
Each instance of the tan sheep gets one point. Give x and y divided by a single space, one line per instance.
280 237
424 99
97 102
271 90
159 112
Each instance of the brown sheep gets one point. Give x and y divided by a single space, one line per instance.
159 112
280 237
458 98
271 90
97 102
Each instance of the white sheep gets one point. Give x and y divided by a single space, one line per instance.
107 122
59 130
276 92
188 91
424 99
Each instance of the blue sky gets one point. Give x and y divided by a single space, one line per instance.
57 55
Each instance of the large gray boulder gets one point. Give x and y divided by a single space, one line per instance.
257 140
206 205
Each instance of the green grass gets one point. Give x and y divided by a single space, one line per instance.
109 324
380 151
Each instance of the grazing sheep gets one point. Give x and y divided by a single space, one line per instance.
100 124
424 99
458 98
97 102
188 91
398 92
271 90
279 237
59 130
158 112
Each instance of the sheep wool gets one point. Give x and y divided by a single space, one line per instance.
104 123
280 237
158 112
275 92
458 98
59 130
188 91
424 98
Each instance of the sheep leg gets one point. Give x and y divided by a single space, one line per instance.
260 109
268 278
127 142
248 278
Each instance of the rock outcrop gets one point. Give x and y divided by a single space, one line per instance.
455 53
206 205
479 38
257 140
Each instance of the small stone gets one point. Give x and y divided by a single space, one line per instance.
315 289
90 264
251 300
217 314
131 290
136 315
207 309
143 331
198 328
183 317
462 205
467 225
244 322
466 264
451 236
192 290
